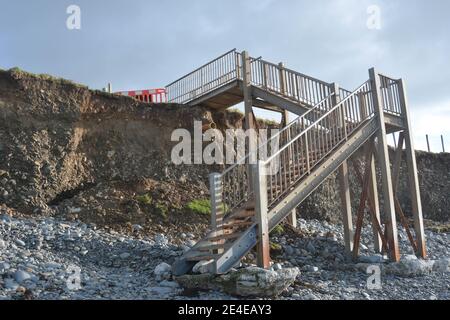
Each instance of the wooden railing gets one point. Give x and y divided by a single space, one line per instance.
205 79
235 181
390 93
268 76
307 149
288 83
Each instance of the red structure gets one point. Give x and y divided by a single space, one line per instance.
149 96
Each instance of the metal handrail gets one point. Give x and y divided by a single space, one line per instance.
278 134
203 66
307 149
314 123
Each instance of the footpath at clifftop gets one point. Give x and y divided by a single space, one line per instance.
86 180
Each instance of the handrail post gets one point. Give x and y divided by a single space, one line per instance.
238 66
413 179
263 247
336 98
264 74
292 218
308 166
248 104
383 156
282 75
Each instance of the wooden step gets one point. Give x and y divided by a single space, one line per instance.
235 225
225 236
242 214
202 257
211 247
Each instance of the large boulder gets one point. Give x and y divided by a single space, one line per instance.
245 282
163 271
442 265
410 266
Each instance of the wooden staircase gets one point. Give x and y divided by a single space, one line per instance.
248 200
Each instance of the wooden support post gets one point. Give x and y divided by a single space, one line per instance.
395 179
428 143
413 179
250 121
248 100
347 221
383 160
374 204
362 202
260 188
442 142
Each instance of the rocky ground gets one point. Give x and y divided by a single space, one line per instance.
41 258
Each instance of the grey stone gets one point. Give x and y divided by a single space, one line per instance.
442 265
311 269
311 296
169 284
204 266
161 240
375 259
124 255
310 247
162 271
136 227
289 250
190 243
4 266
410 266
10 284
161 291
20 242
20 276
277 266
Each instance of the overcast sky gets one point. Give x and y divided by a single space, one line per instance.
138 44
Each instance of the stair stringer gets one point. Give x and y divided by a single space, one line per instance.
277 214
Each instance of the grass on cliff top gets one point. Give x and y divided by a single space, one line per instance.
19 73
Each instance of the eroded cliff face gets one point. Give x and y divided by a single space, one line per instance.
434 181
63 146
60 138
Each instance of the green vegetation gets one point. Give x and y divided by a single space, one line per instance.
201 206
442 228
275 246
161 210
144 199
277 231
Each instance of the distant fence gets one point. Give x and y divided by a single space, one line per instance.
442 143
434 143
